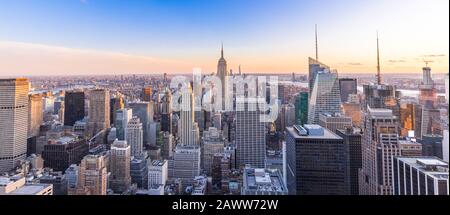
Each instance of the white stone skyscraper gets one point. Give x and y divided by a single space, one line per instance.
134 135
13 121
325 96
186 130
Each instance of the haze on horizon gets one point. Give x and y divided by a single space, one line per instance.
84 37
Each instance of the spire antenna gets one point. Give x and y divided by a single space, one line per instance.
222 50
317 48
378 62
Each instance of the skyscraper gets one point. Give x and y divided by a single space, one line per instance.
116 103
315 67
223 73
186 123
120 178
134 135
144 111
13 121
98 111
166 111
427 96
301 108
347 86
73 107
147 93
379 147
123 116
250 134
35 114
352 138
317 162
325 96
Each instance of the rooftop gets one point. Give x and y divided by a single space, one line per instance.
311 132
30 189
264 180
429 165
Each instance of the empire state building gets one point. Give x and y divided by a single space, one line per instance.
222 73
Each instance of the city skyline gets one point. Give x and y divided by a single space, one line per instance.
175 36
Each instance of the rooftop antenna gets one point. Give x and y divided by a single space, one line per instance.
378 62
317 49
427 62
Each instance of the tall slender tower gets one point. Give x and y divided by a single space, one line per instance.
222 73
317 46
186 124
13 121
378 62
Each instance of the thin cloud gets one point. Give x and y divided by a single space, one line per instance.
393 61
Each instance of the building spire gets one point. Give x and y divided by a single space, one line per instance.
317 48
222 50
378 62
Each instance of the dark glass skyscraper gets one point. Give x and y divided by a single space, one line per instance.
347 86
301 108
73 107
317 162
352 138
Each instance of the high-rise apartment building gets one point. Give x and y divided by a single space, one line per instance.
13 121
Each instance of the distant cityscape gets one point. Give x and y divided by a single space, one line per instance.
333 134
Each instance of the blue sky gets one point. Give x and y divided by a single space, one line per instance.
253 31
